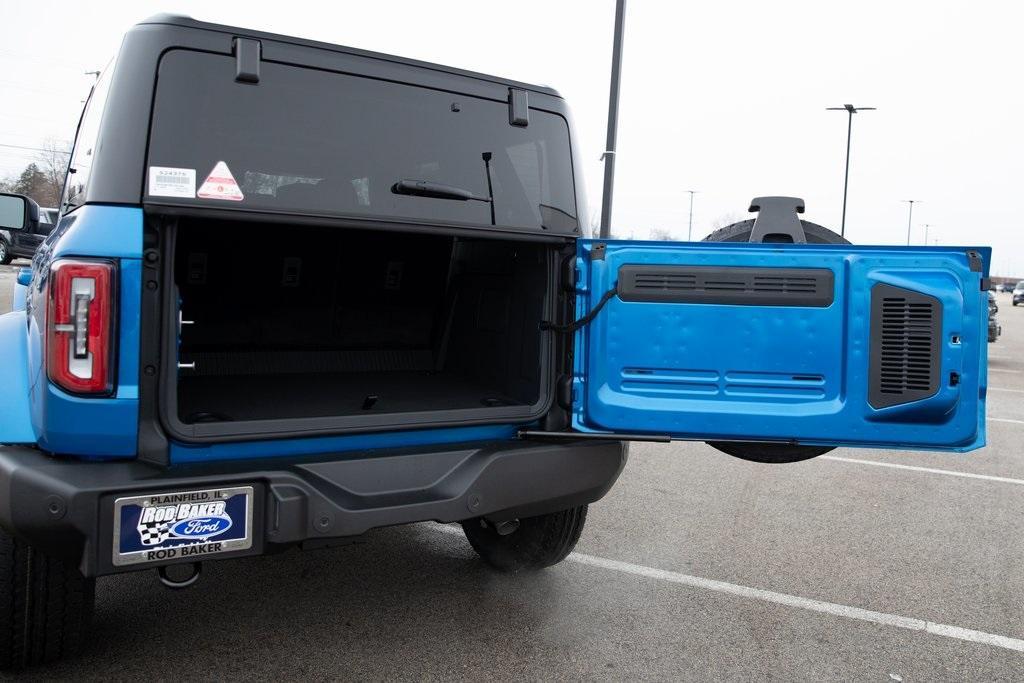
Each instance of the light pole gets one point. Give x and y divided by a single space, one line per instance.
926 226
689 231
910 215
850 110
613 121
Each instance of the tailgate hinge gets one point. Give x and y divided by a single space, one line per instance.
977 265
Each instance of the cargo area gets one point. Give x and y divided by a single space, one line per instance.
290 322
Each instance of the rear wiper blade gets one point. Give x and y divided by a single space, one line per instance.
426 188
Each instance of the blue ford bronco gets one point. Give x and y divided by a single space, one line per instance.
300 291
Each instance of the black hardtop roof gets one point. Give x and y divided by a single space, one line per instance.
189 22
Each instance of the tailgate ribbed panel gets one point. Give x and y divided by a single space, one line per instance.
731 285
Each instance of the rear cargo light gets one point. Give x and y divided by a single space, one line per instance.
80 326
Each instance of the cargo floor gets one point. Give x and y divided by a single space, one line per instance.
236 398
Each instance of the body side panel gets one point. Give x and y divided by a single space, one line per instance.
91 428
15 414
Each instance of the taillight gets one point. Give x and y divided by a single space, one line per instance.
80 326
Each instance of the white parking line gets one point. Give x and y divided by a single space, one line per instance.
935 470
1004 419
929 470
795 601
1010 391
1016 372
844 611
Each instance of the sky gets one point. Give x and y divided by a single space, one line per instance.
726 98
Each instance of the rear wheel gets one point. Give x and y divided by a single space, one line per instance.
535 543
5 253
771 452
45 606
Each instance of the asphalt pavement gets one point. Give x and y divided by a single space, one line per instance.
7 277
859 565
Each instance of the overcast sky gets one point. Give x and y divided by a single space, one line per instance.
727 98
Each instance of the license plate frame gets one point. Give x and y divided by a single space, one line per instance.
162 527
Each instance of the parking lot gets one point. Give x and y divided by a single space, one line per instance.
864 565
7 275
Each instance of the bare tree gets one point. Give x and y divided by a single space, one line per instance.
661 234
53 162
726 219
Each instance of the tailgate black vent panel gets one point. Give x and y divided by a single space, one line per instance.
660 280
905 340
740 286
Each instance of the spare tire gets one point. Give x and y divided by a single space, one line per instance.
774 453
741 231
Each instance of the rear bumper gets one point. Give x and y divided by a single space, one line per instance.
65 508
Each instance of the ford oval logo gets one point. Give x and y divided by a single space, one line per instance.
201 527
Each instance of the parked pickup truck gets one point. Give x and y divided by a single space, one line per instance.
23 242
436 339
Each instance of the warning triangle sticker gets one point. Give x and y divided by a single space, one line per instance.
220 184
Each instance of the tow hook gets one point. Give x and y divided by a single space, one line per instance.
166 579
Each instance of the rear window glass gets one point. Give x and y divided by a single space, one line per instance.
310 141
87 143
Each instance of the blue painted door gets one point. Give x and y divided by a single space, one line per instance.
813 344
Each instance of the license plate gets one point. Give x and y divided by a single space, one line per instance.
185 524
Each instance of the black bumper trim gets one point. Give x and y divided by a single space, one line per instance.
65 507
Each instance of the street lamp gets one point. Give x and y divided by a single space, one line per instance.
910 215
926 226
689 231
613 121
850 110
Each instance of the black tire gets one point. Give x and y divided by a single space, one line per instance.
769 453
539 542
740 232
5 253
46 606
772 453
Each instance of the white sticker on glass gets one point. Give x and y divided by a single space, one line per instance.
172 182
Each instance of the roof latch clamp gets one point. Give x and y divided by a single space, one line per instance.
518 107
248 53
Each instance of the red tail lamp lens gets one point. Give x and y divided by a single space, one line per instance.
80 324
